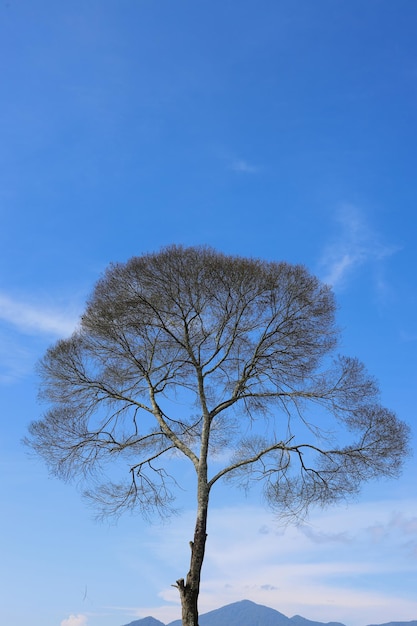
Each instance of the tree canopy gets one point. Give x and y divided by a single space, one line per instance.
248 350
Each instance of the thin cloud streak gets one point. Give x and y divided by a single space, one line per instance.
15 360
243 167
356 245
32 319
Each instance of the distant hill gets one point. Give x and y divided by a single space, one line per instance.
146 621
244 613
297 620
247 613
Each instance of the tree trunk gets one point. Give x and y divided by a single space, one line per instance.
190 589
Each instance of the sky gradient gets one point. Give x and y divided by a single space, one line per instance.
279 129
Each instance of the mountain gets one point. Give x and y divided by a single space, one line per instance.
244 613
247 613
146 621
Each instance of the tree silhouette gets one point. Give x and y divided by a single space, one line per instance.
250 348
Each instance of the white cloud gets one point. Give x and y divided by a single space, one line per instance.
75 620
355 245
35 319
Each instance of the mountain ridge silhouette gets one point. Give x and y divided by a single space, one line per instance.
248 613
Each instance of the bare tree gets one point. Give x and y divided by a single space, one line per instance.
249 347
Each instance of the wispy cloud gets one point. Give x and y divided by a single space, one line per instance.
346 565
355 244
23 324
36 319
15 360
408 336
243 167
325 537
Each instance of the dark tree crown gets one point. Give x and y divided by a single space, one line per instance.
250 347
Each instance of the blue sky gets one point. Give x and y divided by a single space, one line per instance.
281 129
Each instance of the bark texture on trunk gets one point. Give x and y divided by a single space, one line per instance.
190 588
